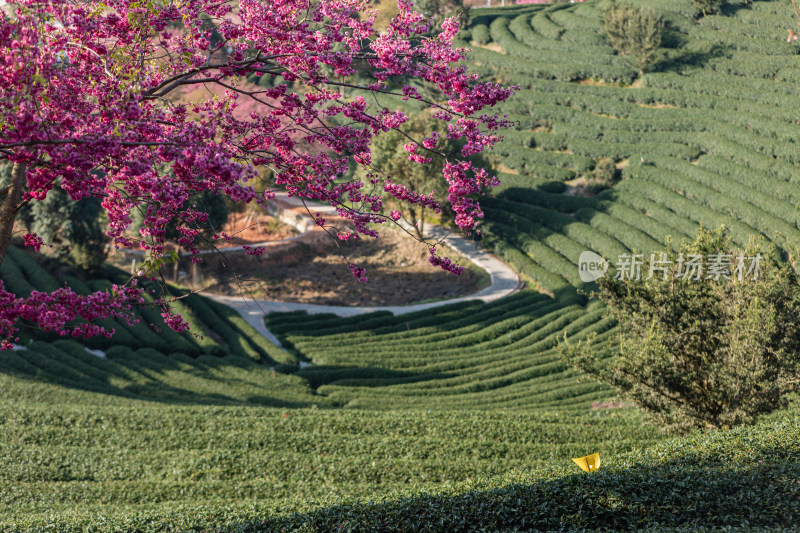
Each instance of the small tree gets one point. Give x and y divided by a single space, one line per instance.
709 6
634 31
389 153
604 175
711 352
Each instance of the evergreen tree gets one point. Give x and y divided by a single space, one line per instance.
75 229
635 32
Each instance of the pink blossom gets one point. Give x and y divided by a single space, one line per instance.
33 240
445 263
254 250
359 272
82 88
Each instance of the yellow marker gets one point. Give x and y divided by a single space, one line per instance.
590 463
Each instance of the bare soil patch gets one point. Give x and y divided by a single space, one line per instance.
313 270
613 403
657 106
246 228
507 170
494 47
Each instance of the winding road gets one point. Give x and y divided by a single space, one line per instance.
504 281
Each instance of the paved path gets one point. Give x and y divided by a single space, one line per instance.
504 281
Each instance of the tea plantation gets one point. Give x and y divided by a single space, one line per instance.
462 418
709 138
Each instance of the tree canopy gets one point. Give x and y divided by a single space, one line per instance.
634 31
94 98
707 335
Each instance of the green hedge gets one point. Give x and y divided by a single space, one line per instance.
564 224
543 25
13 279
37 276
737 479
239 345
480 34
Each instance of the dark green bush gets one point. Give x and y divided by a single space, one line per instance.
604 175
717 351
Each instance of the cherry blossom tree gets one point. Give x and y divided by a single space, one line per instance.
90 99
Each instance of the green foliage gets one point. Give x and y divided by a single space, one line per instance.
75 228
718 351
604 175
725 472
389 155
80 443
709 6
480 34
248 341
742 479
13 278
634 31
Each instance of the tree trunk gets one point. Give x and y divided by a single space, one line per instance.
411 219
176 267
10 207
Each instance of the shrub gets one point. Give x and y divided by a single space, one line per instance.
708 352
480 34
604 175
708 6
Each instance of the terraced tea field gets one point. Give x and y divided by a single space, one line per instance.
147 431
463 416
710 138
468 356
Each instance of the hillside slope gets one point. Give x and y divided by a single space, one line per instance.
709 138
463 418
